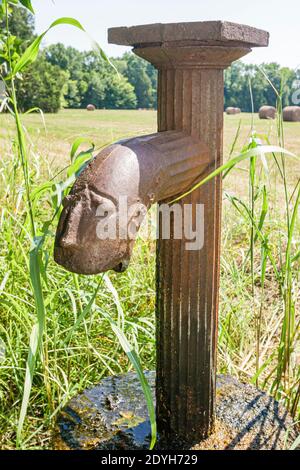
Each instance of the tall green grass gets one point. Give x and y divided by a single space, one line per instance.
63 332
273 251
38 232
273 258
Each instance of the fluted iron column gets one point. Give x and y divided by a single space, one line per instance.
190 58
190 98
187 281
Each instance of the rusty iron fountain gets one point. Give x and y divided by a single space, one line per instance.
190 58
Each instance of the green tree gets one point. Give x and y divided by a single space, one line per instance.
42 86
234 84
136 73
288 82
72 95
239 77
95 90
152 74
67 58
91 80
119 94
71 61
105 89
22 24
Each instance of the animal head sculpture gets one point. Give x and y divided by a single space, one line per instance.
109 200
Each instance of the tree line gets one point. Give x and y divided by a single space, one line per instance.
64 77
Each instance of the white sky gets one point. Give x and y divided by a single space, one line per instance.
280 17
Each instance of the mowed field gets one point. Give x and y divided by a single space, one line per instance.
53 141
52 136
93 351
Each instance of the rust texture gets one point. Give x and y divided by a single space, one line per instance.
113 415
190 98
190 59
188 281
145 170
197 32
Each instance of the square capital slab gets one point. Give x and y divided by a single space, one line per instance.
202 33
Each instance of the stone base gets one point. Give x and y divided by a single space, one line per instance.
113 416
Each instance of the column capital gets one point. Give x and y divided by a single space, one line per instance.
205 44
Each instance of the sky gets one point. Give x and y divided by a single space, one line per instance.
280 17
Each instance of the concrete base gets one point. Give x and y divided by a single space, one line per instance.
113 416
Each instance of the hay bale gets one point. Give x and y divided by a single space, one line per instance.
232 110
91 107
291 113
267 112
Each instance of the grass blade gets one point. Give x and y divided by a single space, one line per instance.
37 331
296 444
31 53
27 4
134 359
258 151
